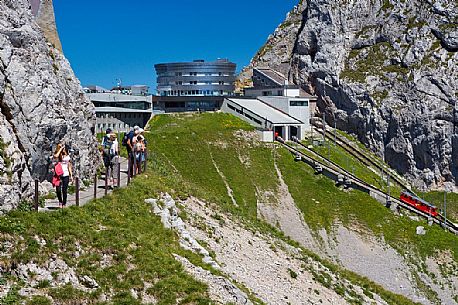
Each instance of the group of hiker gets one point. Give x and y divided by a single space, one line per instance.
135 144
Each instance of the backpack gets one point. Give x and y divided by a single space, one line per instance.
58 170
107 143
125 138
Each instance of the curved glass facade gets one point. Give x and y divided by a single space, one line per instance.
197 78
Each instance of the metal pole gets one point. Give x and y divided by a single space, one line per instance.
36 196
135 164
324 126
445 207
77 194
119 172
146 159
95 186
106 181
128 169
335 129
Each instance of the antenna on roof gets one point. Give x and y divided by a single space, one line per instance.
118 82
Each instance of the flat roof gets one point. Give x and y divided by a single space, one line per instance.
121 110
117 97
266 111
273 75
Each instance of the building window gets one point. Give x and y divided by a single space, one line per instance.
266 93
179 82
193 82
178 74
299 103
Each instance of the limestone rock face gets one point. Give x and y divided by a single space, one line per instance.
386 69
41 104
43 10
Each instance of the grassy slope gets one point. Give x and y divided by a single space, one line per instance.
182 148
120 225
192 161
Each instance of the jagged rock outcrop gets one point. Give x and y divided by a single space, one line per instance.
41 104
386 69
43 10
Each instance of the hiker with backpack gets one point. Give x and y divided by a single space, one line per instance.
110 151
128 142
63 174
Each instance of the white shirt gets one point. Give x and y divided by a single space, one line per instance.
65 162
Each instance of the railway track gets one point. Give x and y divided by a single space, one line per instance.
363 158
337 170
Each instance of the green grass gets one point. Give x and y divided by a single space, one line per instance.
339 156
120 225
199 138
437 198
182 148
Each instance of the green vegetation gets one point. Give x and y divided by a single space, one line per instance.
248 169
201 155
371 61
437 198
341 157
121 226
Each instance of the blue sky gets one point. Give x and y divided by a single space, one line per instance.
109 40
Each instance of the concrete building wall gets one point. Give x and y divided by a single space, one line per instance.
301 113
121 122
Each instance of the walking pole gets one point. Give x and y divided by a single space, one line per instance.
36 196
95 186
77 185
106 181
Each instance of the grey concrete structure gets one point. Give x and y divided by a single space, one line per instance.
119 109
192 86
265 117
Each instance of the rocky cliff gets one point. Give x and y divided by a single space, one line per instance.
41 103
386 70
43 10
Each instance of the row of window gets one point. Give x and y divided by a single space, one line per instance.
195 92
194 82
298 103
120 126
270 93
120 115
171 74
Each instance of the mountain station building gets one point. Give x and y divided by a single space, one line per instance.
120 108
193 86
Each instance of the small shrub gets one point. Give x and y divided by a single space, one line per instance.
39 300
292 273
43 284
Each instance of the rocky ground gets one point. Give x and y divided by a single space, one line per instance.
270 269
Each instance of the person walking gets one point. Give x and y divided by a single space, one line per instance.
139 153
114 160
64 171
130 146
108 154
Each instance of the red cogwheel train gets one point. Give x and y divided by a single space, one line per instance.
418 203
